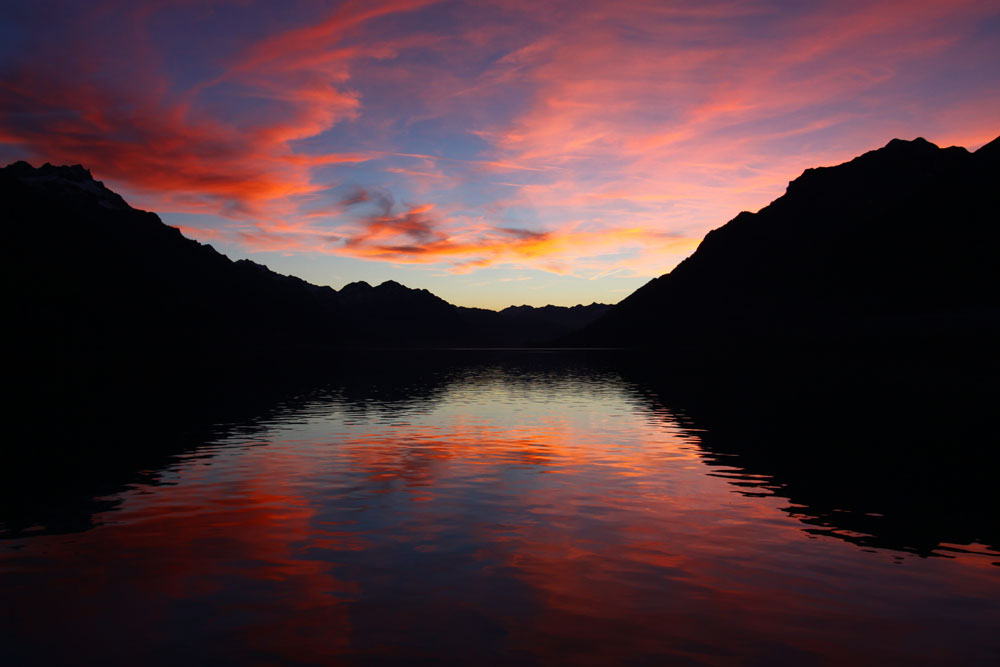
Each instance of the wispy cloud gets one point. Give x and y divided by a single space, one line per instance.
224 144
583 137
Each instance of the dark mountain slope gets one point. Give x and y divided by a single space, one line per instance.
92 282
553 320
87 271
391 314
527 326
901 241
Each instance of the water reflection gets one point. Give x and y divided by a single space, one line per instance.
905 462
496 509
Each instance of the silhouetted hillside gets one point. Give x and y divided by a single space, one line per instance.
555 321
91 278
95 282
899 243
527 326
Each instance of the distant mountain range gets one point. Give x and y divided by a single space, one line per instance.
898 243
901 243
93 277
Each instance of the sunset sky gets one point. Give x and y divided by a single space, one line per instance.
495 153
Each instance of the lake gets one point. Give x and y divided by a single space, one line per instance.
524 508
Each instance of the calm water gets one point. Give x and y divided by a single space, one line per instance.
495 512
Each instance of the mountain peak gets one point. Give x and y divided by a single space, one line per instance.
898 159
899 241
72 172
65 180
919 142
989 151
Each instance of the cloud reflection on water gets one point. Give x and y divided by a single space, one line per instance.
534 510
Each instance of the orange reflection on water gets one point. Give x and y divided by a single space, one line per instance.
244 543
507 521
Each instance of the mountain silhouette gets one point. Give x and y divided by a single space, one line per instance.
93 280
897 244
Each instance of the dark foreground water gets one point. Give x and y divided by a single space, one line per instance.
521 510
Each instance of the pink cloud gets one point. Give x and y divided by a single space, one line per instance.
580 137
183 154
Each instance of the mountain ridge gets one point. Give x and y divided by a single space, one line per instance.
899 241
111 268
872 246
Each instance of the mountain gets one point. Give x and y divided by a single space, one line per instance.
528 326
898 244
554 321
92 281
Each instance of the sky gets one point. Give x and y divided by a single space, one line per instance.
493 152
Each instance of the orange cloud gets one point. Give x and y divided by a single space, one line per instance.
629 116
417 236
179 151
616 133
